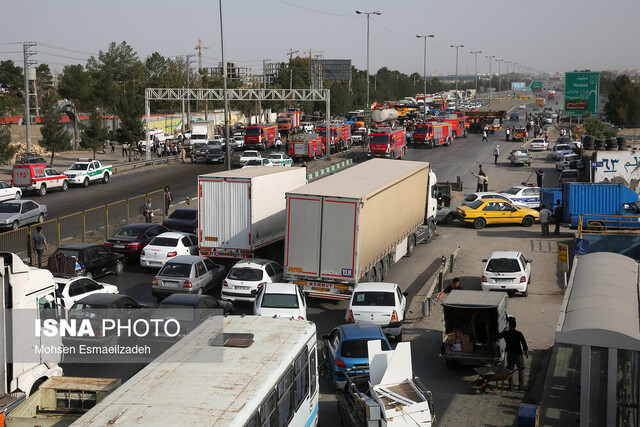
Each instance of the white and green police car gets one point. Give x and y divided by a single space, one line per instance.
280 159
85 171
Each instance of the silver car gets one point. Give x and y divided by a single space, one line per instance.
16 213
187 274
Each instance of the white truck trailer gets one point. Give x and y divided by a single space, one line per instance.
243 210
352 226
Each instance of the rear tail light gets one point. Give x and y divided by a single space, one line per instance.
132 245
187 284
108 244
172 254
225 283
260 284
523 279
350 316
484 279
340 364
394 316
154 282
300 318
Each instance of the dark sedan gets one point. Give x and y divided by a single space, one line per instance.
96 259
183 219
132 238
215 155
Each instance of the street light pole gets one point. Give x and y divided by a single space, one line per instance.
499 76
424 75
475 98
457 46
490 78
368 106
224 93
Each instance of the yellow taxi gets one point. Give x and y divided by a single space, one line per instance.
495 211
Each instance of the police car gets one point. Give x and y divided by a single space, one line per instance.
522 194
85 171
280 159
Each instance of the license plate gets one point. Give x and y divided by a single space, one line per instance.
504 280
119 246
170 284
243 288
319 289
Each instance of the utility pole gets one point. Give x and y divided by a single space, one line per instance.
224 92
27 108
188 90
199 48
475 98
490 78
290 53
500 61
457 46
367 112
424 74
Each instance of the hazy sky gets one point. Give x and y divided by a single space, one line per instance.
559 35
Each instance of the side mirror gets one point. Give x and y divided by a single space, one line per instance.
406 294
485 260
529 261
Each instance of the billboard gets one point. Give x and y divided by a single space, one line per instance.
582 93
331 69
518 86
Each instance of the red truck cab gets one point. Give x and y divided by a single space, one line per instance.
388 142
431 134
260 136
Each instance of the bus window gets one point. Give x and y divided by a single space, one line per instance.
268 411
285 407
301 377
313 369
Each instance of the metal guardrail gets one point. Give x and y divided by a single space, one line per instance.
142 163
608 224
90 226
437 280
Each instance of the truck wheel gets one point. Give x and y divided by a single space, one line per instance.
371 275
105 178
527 221
379 274
411 245
42 190
85 183
384 267
479 223
449 219
595 226
65 186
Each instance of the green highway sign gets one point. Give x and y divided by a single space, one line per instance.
367 117
536 86
582 93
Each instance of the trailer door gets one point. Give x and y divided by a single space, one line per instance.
224 214
339 233
303 234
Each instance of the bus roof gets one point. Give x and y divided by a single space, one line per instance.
180 388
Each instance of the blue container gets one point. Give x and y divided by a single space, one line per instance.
595 199
528 415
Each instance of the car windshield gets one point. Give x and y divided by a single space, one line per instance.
180 312
379 298
250 154
164 241
275 156
183 214
503 265
470 198
175 269
512 191
280 301
254 163
245 274
253 131
128 232
79 167
10 207
562 147
476 204
357 349
216 150
86 306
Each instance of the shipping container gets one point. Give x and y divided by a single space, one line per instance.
353 225
243 210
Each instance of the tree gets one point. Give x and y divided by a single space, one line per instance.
54 134
121 62
75 85
130 108
7 151
595 127
623 106
10 75
94 134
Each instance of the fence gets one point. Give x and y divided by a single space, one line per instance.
90 226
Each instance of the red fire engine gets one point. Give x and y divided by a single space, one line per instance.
388 142
261 136
431 134
341 136
306 146
459 125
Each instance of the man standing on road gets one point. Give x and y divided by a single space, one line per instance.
508 133
545 215
557 216
278 144
455 284
496 154
515 344
40 244
480 175
168 198
539 175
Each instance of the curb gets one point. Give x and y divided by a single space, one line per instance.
328 170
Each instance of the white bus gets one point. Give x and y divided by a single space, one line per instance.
268 376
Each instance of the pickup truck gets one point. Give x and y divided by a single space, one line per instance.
85 171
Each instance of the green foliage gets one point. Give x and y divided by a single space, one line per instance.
11 76
54 134
595 127
623 106
7 151
75 85
94 134
130 108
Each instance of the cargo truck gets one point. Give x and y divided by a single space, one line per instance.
288 122
203 131
352 226
602 206
242 211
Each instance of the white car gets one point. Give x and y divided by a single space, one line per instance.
280 300
507 271
258 162
217 139
522 107
249 155
307 127
561 150
8 192
548 120
239 140
529 196
538 144
381 304
570 161
168 245
468 200
70 290
280 159
247 276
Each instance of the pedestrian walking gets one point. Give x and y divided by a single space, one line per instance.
515 345
539 175
546 134
40 244
148 211
558 213
168 198
113 147
278 144
496 154
545 215
183 154
484 135
508 133
124 150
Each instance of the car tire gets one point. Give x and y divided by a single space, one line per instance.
449 219
65 186
85 183
40 218
15 225
527 221
42 191
479 223
119 268
105 178
88 275
18 195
